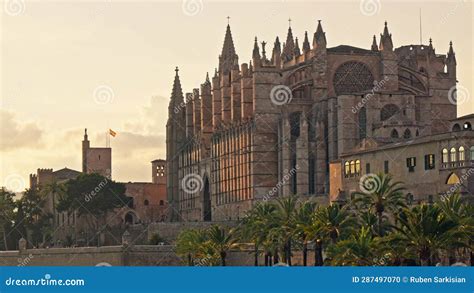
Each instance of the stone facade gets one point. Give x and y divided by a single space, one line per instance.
293 111
430 167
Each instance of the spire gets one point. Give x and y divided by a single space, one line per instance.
256 50
85 134
276 54
289 48
177 92
207 81
306 46
374 44
431 43
297 50
451 54
386 40
228 55
319 39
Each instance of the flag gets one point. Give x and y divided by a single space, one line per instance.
112 133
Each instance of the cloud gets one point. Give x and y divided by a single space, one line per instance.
16 134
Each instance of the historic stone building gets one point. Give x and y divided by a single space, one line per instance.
272 126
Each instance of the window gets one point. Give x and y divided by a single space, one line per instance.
162 202
453 155
362 123
453 179
311 173
462 154
357 167
295 125
353 167
467 126
146 202
445 156
407 134
394 134
456 127
367 168
385 167
294 179
352 77
347 168
429 162
472 153
411 164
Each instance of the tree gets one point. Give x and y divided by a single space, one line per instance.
32 217
360 249
189 245
56 190
286 225
221 240
255 227
92 196
7 212
380 194
329 225
425 229
303 217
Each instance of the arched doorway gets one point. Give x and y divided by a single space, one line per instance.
129 218
207 214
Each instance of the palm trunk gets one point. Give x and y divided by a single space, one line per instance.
256 255
318 254
288 253
190 260
5 239
266 259
276 258
270 259
379 223
223 256
305 253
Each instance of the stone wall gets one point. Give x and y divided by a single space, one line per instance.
140 255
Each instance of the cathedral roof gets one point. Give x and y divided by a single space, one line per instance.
349 50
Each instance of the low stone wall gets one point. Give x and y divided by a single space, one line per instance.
139 255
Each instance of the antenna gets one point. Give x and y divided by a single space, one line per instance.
421 31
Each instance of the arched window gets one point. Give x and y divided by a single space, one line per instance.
456 127
394 134
462 154
467 126
295 125
162 202
453 179
357 168
347 168
407 134
472 153
353 167
453 155
362 123
445 156
146 202
388 111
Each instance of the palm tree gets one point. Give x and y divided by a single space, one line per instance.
380 194
189 244
425 229
56 190
221 241
359 250
329 224
456 210
303 218
7 207
285 217
257 223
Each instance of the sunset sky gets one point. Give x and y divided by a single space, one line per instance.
110 64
